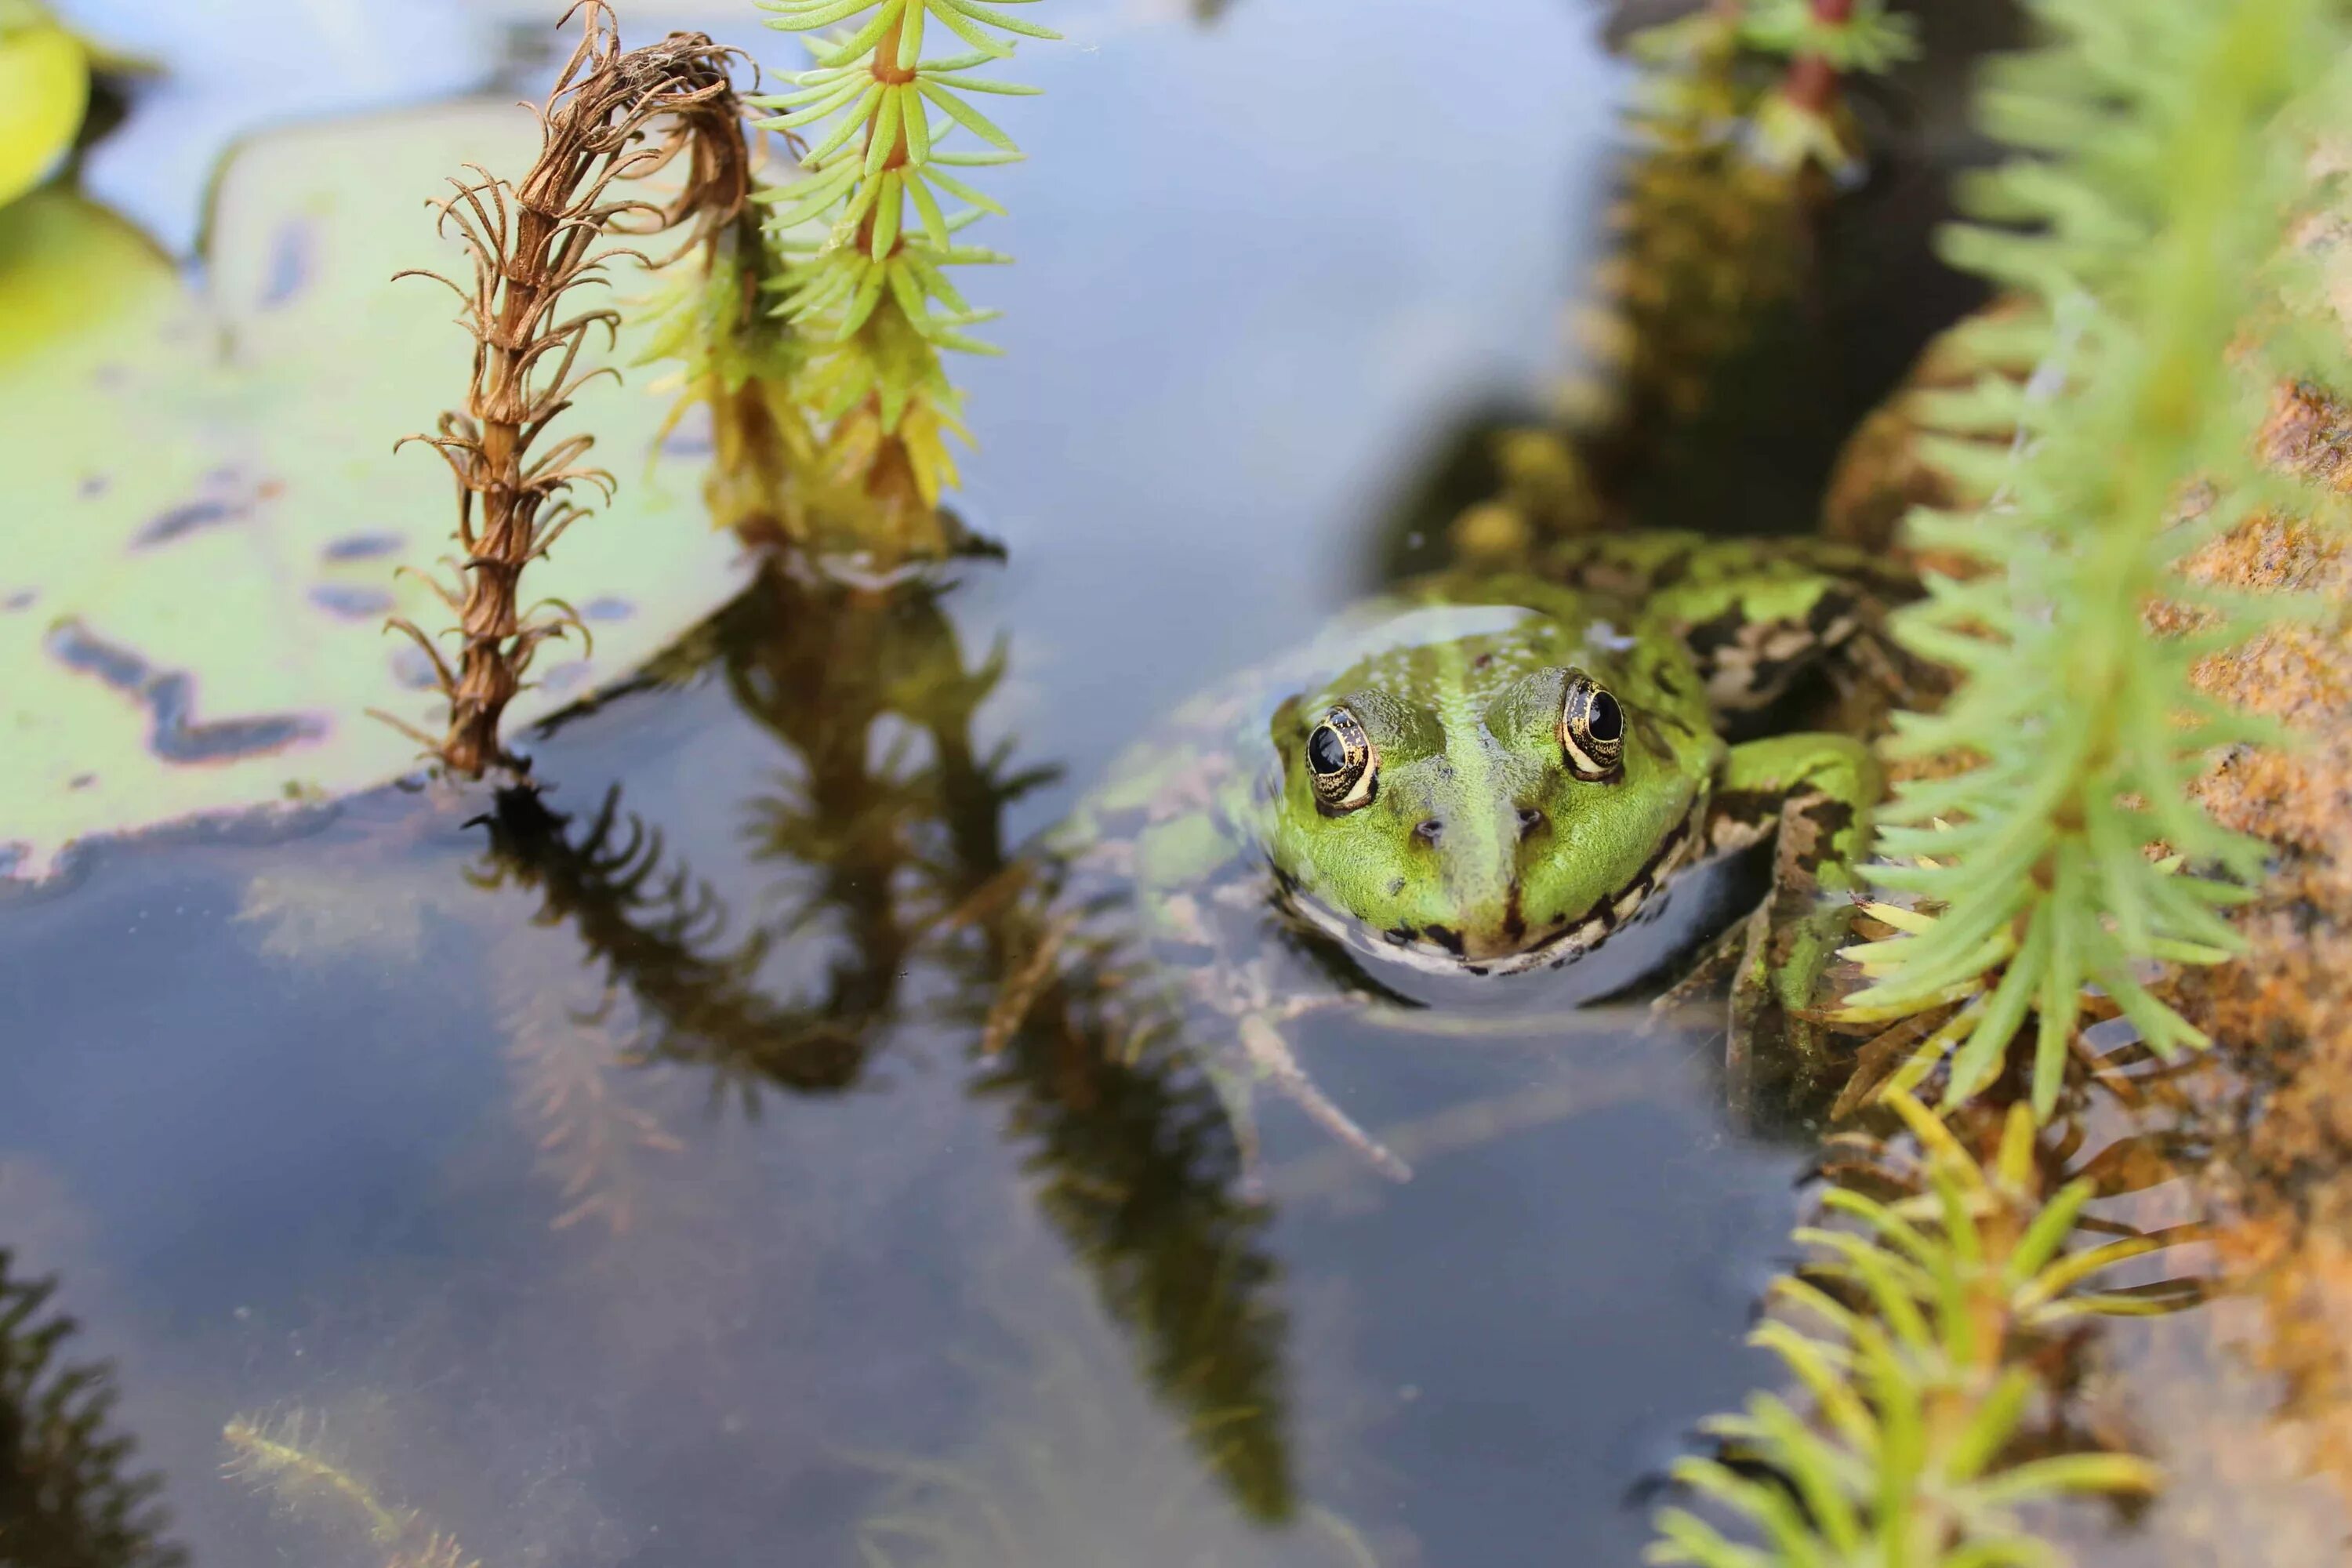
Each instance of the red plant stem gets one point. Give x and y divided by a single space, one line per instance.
1812 81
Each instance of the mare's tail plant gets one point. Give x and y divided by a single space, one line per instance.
286 1457
1912 1330
1738 136
2165 156
615 118
871 289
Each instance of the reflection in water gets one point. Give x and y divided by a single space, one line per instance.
65 1501
1074 1470
888 824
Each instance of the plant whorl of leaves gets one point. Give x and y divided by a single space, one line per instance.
875 288
1921 1314
2162 160
65 1502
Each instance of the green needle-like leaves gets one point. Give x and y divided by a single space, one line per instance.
873 291
1910 1332
2147 224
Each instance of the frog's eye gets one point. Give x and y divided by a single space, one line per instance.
1592 728
1340 759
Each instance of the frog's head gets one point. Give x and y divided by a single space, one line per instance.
1492 820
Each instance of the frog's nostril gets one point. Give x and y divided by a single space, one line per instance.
1428 830
1530 820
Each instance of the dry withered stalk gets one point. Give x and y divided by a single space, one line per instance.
614 117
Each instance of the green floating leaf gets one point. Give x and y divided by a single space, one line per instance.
206 510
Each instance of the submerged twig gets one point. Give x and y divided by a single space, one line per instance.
615 118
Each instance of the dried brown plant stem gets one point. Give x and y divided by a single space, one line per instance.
614 118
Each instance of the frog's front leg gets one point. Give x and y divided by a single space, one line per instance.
1271 1060
1813 793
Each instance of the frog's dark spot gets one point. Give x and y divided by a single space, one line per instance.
1666 682
169 697
1828 609
1530 820
1445 937
1482 662
1428 830
1398 936
1709 638
1396 888
1829 817
1514 921
1747 806
1480 969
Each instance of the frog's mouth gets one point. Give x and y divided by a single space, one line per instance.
1439 950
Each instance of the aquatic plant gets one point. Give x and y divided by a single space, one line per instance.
1737 141
65 1499
1913 1330
2161 154
287 1457
613 118
284 1456
872 292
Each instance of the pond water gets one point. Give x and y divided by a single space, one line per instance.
440 1171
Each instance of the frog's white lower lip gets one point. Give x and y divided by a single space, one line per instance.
1550 949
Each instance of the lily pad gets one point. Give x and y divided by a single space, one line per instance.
44 90
205 510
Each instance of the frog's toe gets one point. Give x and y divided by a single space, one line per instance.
1270 1056
1775 1038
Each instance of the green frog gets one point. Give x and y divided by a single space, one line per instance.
1478 775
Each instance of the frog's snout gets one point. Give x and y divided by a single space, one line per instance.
1478 857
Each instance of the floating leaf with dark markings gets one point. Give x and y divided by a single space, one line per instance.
206 511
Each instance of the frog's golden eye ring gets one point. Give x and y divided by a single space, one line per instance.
1343 763
1592 728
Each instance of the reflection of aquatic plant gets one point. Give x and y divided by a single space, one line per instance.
65 1500
2156 169
873 289
1921 1329
568 1061
612 118
1135 1163
1073 1467
664 935
287 1457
